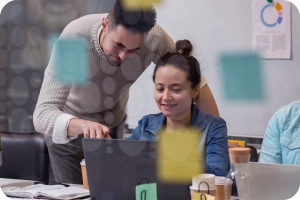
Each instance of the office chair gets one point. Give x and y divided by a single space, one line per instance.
25 156
254 155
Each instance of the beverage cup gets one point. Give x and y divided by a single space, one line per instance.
84 175
204 183
221 183
211 191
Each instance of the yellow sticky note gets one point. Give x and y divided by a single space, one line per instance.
178 155
140 4
202 196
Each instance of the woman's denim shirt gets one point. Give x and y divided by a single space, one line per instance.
281 143
214 140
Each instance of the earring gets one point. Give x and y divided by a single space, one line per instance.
194 100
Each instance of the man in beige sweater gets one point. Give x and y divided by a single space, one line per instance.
121 45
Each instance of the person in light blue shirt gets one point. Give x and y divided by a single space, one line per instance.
281 143
177 78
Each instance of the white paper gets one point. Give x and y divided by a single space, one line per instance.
271 28
52 191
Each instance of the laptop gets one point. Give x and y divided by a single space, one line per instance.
271 181
115 168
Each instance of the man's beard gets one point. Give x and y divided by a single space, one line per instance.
110 58
112 61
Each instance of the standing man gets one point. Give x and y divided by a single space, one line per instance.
121 45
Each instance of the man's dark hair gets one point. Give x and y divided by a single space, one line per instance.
138 21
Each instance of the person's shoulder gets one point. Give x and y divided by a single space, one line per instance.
84 22
292 107
157 32
148 119
288 113
206 116
213 119
157 29
89 18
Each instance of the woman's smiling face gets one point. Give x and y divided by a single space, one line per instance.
173 92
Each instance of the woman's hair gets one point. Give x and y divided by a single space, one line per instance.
183 60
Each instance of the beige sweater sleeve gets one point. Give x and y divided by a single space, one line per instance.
52 99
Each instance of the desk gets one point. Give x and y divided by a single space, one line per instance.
14 182
22 183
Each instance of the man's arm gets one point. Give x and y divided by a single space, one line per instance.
206 101
271 151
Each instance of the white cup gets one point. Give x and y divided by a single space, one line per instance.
208 178
204 183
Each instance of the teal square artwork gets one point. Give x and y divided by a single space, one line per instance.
71 64
242 77
146 192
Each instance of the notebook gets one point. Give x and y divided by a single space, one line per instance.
271 181
115 167
46 191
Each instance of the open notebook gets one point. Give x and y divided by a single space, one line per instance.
48 191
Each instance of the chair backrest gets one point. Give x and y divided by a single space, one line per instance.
254 155
25 156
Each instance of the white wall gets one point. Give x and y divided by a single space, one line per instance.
215 26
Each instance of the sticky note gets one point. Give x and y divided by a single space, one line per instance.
71 62
178 155
242 77
146 192
140 4
51 40
202 196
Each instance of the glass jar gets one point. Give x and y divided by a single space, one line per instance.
238 174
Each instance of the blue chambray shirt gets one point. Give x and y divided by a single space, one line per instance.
214 137
281 143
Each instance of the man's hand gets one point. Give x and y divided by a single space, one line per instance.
88 128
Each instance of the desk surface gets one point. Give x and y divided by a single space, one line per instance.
22 183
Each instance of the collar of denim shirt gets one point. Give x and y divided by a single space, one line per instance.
198 121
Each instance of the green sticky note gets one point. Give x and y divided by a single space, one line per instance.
71 62
242 77
146 192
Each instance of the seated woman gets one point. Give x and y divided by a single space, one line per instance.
176 78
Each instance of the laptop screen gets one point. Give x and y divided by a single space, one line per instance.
115 167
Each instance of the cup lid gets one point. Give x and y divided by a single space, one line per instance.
222 180
208 178
239 151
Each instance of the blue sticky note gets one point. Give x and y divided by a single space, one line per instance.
71 64
52 39
242 78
